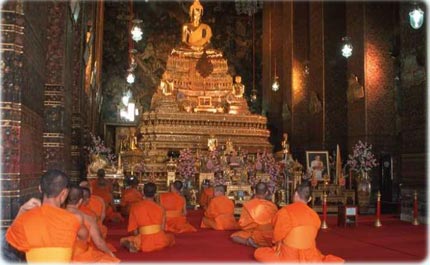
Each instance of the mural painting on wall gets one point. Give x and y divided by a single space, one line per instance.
232 34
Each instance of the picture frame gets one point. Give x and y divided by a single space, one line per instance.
312 163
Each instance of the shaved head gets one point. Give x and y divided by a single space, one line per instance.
304 191
75 195
219 188
53 182
149 190
177 185
261 188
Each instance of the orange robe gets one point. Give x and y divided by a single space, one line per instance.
220 214
256 221
105 193
128 197
44 227
147 216
295 230
205 197
95 205
86 251
102 227
174 205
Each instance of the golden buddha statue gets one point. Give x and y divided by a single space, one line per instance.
238 87
196 35
236 101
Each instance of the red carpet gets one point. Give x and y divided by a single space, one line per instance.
394 241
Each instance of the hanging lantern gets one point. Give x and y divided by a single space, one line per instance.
136 30
346 47
253 95
416 17
275 85
130 77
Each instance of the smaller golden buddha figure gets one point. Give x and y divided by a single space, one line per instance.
229 146
238 87
166 86
212 143
285 145
236 102
196 35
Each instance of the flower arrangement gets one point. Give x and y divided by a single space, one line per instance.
362 160
266 162
98 148
186 164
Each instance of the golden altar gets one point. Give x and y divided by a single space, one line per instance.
197 98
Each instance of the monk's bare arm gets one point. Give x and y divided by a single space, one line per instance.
96 235
28 205
82 232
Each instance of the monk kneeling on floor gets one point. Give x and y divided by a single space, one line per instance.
220 212
206 194
94 248
147 221
174 204
130 196
295 230
256 220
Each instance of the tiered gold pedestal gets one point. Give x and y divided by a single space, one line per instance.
176 131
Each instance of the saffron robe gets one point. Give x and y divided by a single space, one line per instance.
105 192
295 230
256 221
206 195
86 251
220 214
147 216
174 205
42 228
128 197
102 227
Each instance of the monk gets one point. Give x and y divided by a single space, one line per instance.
220 212
94 248
175 206
256 220
206 195
103 188
147 223
95 203
44 231
130 196
85 208
295 230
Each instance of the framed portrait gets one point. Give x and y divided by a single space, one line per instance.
318 163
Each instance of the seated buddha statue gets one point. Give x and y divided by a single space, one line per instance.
196 35
236 101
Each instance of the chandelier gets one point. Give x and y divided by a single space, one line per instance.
248 7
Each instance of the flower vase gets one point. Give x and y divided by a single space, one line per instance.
364 189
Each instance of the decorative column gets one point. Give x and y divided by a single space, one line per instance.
56 136
22 69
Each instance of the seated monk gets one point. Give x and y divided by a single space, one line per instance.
256 219
130 196
44 231
295 230
206 194
84 207
83 250
220 212
147 221
94 203
174 204
103 188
